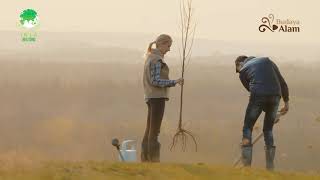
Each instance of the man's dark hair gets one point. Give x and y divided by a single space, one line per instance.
240 59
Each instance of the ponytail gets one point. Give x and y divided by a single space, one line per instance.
162 39
150 46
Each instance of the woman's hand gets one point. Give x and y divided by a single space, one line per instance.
180 81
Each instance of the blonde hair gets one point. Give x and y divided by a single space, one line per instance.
162 39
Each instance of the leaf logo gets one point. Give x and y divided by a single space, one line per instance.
267 23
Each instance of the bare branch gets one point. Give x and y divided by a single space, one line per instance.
187 32
190 47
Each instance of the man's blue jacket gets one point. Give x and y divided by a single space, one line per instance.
260 76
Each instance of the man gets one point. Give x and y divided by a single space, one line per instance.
262 78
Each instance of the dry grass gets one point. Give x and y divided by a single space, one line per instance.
117 171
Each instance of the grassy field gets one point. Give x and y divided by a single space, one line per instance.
94 170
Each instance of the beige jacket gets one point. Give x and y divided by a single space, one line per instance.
150 90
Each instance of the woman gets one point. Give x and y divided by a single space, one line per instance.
156 83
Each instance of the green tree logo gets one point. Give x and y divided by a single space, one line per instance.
29 18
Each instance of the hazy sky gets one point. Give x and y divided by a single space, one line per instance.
218 20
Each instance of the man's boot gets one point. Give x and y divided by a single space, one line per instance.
270 154
246 155
154 152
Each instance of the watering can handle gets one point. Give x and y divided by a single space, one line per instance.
124 145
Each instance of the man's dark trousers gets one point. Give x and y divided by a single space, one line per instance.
257 104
